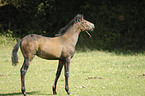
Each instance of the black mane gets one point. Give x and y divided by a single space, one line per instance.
63 30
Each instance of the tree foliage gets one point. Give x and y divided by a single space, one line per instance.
118 23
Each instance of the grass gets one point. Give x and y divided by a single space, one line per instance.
92 73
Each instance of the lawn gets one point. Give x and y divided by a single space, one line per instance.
92 73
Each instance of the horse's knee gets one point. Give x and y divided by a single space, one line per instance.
67 74
23 90
23 70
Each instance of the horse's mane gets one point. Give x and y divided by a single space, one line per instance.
63 30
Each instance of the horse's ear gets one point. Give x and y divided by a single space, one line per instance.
78 18
82 16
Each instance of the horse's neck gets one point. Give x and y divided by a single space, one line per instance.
72 34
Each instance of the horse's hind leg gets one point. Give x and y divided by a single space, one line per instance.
23 73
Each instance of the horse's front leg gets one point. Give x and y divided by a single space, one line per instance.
60 65
67 63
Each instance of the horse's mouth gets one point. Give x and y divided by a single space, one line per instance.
92 27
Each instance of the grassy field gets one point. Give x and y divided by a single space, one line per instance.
92 73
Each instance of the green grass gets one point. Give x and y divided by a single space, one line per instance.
92 73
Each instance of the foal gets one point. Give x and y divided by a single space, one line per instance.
60 48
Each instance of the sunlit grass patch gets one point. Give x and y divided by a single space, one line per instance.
92 73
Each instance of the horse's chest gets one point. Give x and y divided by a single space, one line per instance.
68 51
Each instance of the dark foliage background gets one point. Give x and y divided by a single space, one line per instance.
119 24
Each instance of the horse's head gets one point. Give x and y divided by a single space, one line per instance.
84 24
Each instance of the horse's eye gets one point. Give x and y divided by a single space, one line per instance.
83 22
79 20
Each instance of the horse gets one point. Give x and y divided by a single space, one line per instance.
60 48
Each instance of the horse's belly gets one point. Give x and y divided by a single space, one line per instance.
52 54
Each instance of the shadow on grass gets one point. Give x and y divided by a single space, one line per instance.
116 51
20 94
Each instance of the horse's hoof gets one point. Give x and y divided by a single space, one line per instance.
54 90
25 94
54 93
69 93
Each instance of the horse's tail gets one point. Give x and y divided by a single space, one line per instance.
14 53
